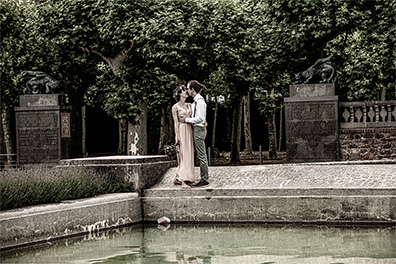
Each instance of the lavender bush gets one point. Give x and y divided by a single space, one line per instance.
22 187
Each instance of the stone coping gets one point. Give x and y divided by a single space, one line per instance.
43 223
117 159
65 205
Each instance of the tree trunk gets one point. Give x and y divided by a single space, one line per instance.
122 135
383 94
236 131
164 129
280 129
115 62
75 100
228 136
171 126
7 134
246 124
84 131
214 125
272 136
137 132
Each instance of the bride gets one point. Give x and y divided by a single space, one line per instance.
185 174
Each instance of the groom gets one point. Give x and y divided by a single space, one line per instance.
198 120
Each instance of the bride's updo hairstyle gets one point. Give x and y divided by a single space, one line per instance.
197 86
178 91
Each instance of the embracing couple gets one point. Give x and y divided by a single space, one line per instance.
190 131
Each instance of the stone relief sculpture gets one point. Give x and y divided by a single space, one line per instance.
322 71
38 82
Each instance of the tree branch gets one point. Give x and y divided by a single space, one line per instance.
116 62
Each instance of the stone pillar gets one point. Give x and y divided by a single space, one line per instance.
42 129
311 119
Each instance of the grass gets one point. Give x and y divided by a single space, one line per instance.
32 186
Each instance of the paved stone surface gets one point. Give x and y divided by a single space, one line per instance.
323 175
337 192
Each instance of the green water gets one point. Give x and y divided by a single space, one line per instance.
261 244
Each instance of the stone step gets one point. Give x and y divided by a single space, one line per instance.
210 192
339 193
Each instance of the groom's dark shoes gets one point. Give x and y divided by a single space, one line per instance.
201 183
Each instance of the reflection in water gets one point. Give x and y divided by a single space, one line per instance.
220 243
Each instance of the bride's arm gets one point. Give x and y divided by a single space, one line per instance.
176 122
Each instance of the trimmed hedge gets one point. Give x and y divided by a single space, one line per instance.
32 186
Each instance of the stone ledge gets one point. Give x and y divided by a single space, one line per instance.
42 223
122 159
267 192
286 209
139 172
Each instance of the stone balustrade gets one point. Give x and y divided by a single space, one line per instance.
374 114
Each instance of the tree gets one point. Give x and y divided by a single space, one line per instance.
366 54
109 30
246 123
235 50
218 89
19 51
75 68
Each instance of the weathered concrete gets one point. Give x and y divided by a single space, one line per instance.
54 221
312 89
315 193
139 171
29 100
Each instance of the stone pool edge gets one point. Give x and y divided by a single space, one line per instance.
44 223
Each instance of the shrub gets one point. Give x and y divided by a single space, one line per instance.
22 187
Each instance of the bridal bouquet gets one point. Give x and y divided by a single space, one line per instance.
171 150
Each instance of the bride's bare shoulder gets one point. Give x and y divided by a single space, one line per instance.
174 106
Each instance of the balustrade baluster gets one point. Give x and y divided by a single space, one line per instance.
383 113
358 114
368 114
371 114
346 114
394 112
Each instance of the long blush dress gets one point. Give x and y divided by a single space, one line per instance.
185 157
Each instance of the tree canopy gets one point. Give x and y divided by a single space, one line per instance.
118 54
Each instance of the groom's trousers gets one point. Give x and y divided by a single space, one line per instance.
199 142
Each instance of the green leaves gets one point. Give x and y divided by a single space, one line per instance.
367 54
231 45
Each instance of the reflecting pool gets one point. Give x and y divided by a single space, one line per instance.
220 243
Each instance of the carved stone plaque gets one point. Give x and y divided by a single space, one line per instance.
65 125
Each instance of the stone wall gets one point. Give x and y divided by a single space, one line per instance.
139 172
368 144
